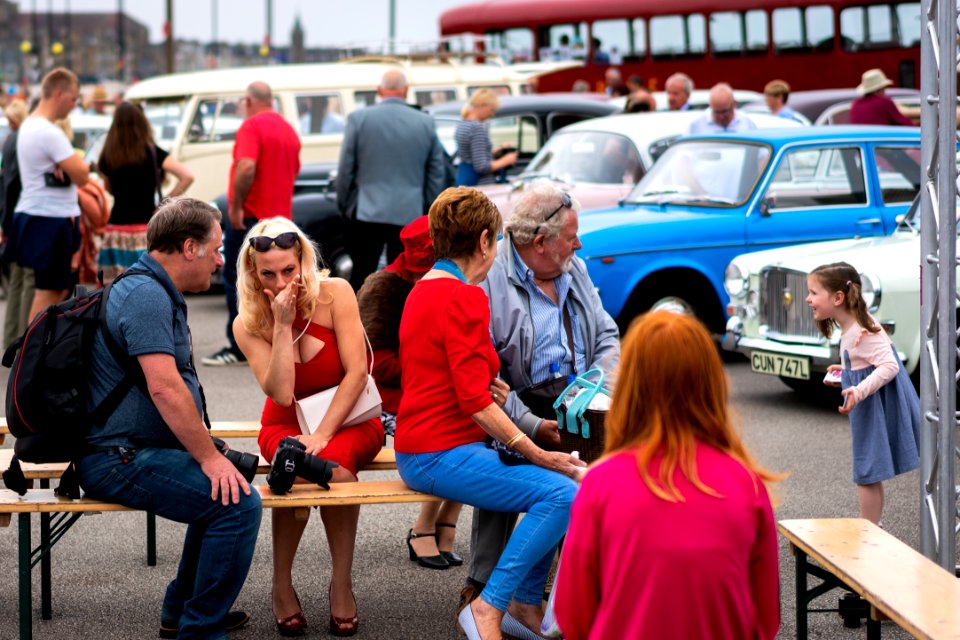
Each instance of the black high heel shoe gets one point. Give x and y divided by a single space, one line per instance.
453 558
430 562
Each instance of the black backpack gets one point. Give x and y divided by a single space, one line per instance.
47 389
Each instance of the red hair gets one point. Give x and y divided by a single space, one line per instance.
671 393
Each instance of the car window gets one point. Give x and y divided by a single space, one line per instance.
217 119
320 113
558 120
818 177
427 97
588 156
898 170
516 132
704 172
165 116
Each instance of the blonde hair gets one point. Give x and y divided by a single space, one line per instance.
479 98
16 112
64 124
253 305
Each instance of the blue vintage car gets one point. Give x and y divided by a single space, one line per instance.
709 199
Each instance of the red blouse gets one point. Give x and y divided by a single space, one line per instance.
447 363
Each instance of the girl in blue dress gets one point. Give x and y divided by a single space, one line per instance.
878 396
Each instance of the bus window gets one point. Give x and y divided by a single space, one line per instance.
639 31
867 28
364 99
427 97
794 32
757 37
216 120
319 113
908 24
672 36
726 33
614 34
513 45
499 89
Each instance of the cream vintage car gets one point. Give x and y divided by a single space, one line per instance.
771 324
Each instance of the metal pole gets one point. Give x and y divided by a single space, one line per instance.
392 36
68 36
213 32
270 24
171 61
938 385
121 44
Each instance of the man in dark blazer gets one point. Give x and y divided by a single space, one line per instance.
391 169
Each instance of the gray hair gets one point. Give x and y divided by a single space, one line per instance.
260 92
181 219
393 80
685 79
538 202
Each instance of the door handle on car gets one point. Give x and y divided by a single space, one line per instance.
870 221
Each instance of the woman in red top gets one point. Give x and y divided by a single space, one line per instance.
451 405
672 533
381 300
301 333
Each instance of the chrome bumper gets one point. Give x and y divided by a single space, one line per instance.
820 356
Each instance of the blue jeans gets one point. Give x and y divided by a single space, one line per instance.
473 474
232 245
218 547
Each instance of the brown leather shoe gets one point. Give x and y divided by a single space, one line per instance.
467 595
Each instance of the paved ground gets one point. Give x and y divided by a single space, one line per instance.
103 588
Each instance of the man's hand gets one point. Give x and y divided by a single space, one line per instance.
225 481
548 434
236 218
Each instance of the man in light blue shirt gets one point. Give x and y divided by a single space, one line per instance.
722 116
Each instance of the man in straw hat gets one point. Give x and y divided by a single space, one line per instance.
873 107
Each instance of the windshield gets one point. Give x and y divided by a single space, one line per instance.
704 172
166 117
587 156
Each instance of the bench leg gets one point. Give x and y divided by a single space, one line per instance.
800 560
25 568
873 629
151 539
46 590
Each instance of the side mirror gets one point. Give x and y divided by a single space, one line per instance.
900 218
766 204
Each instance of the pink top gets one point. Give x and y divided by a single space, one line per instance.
867 349
637 566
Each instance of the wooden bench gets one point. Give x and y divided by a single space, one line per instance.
219 429
896 581
66 512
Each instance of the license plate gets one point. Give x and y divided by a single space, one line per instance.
775 364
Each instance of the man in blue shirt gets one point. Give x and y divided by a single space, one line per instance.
154 452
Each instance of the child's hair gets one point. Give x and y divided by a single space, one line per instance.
842 277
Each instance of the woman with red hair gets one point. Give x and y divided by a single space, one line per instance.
671 534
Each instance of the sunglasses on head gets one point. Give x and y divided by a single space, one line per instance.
565 203
283 241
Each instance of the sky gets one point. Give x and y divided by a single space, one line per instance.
325 22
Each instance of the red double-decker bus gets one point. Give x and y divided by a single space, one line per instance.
812 44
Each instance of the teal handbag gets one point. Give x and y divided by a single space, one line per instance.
572 408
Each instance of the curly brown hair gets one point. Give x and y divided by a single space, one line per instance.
457 218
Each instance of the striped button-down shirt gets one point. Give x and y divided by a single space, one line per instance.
549 336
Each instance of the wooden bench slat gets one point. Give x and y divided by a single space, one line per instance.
341 493
913 591
386 460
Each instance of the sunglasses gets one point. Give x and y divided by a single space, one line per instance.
283 241
565 203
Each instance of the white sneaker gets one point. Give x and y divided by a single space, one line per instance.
226 357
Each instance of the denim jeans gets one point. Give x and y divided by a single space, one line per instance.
473 474
218 547
232 245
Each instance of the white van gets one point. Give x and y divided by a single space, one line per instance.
195 116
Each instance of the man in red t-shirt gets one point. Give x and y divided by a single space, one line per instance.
266 161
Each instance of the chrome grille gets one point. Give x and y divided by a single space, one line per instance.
782 306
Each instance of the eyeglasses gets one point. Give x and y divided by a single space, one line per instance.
723 112
283 241
565 203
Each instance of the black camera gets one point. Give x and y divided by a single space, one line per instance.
292 460
246 463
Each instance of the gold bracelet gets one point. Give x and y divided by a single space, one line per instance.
515 439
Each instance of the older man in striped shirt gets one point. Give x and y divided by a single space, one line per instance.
547 323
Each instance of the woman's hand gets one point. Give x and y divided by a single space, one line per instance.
314 443
562 463
549 434
499 390
284 304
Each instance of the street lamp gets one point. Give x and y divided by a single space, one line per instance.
25 47
56 48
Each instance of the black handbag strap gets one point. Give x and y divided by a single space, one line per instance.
156 171
567 325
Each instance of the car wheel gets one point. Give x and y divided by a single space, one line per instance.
676 304
680 291
341 265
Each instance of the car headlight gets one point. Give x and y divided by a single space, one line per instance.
734 280
870 291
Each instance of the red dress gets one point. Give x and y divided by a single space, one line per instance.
352 447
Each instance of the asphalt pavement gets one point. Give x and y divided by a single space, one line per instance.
102 587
